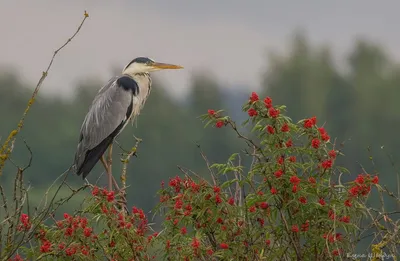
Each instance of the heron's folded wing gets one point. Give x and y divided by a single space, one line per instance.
106 118
108 111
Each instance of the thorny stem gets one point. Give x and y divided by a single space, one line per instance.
298 254
5 207
249 141
61 201
125 160
238 188
189 173
208 165
12 231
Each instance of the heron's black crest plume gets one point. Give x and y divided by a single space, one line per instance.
143 60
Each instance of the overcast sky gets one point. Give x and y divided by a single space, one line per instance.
228 37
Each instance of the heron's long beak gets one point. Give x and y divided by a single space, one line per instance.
163 66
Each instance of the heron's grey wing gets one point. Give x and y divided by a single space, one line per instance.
106 118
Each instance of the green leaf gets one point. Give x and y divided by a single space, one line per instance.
233 156
228 183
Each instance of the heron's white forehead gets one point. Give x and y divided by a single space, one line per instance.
134 68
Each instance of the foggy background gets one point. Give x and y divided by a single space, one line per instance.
230 39
337 60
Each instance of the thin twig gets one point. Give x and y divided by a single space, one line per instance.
208 165
6 149
38 221
30 156
125 160
238 189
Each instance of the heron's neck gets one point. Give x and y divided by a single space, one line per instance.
143 80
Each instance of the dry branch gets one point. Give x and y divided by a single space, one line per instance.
6 148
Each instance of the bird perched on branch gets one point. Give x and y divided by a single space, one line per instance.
119 101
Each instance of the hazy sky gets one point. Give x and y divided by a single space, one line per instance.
228 37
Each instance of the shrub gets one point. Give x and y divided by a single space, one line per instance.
289 204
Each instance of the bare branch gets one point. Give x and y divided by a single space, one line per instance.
6 149
208 165
125 160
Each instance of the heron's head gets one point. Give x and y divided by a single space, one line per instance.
145 65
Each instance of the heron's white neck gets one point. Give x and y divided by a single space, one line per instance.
143 81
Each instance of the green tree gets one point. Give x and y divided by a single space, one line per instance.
205 93
301 79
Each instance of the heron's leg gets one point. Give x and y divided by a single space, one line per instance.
110 155
109 163
109 159
112 180
103 161
108 170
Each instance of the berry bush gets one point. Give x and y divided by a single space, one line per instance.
291 203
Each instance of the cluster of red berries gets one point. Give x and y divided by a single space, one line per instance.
322 134
103 193
74 237
362 185
334 239
25 223
71 227
183 195
17 257
271 111
219 123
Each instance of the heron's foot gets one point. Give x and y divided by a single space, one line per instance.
122 200
122 193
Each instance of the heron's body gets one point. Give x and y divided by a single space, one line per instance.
115 104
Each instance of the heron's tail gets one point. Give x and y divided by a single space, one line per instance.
91 157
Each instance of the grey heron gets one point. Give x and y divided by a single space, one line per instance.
115 104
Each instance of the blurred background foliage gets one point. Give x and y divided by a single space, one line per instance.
358 103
